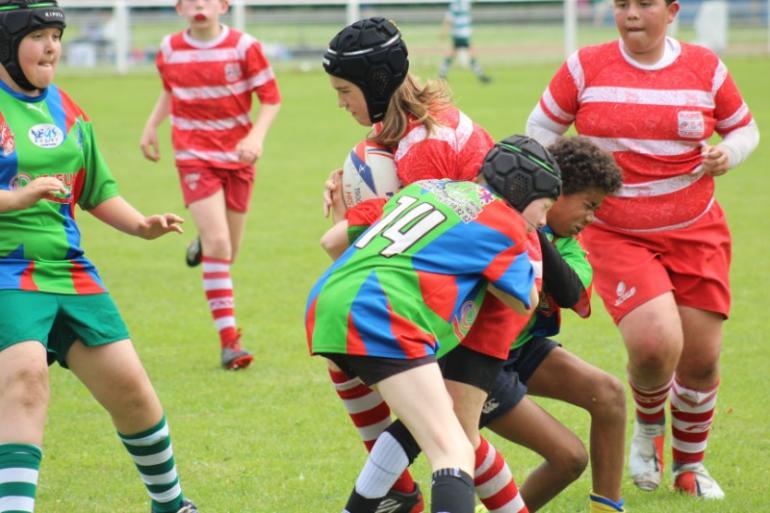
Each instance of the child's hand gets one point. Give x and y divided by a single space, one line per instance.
716 161
249 150
331 185
155 226
37 189
149 144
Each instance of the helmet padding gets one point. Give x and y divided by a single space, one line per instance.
371 54
17 19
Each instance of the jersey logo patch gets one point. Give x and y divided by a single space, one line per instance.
691 124
7 142
46 135
233 71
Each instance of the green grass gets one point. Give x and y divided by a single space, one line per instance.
275 438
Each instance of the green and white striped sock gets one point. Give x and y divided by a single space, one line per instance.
19 468
154 458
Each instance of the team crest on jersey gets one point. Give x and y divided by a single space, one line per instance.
691 124
46 135
7 141
233 72
20 181
468 312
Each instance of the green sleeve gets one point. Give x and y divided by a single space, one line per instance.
575 256
99 185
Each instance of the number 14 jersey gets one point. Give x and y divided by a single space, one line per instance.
415 279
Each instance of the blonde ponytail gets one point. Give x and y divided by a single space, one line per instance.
415 100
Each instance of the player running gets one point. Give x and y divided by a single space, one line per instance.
209 73
660 246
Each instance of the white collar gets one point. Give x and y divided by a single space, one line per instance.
671 52
203 45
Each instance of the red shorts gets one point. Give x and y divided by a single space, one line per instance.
201 182
633 268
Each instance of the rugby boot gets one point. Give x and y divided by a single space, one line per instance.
693 479
645 459
194 254
400 502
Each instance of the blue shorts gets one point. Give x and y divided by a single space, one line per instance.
510 386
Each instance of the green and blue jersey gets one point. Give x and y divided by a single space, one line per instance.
413 281
48 135
546 320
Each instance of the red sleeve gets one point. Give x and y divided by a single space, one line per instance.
560 99
730 110
366 212
260 75
160 63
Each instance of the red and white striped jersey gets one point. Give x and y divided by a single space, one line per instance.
654 120
454 149
211 85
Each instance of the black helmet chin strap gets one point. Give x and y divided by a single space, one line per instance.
18 18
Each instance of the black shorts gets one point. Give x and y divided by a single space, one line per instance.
461 42
506 393
511 384
373 369
526 359
467 366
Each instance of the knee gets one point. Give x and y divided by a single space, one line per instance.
609 398
26 388
654 350
136 395
217 246
571 461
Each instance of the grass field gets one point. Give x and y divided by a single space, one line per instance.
275 438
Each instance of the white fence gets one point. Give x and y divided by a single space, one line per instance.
120 33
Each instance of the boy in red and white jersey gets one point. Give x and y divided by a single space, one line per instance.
660 247
209 73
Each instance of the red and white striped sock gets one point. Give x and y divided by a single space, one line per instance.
369 413
692 412
650 403
219 292
494 482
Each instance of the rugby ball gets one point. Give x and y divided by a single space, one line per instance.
369 172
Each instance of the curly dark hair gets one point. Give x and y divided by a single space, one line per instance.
585 166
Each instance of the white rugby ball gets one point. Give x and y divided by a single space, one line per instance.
369 172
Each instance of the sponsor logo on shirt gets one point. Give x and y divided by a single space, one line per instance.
21 180
7 141
232 72
623 293
691 124
46 135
